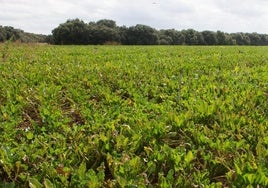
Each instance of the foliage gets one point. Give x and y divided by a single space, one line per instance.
77 32
8 33
141 35
106 31
134 116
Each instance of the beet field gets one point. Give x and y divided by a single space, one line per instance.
133 116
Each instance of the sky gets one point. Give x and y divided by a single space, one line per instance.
42 16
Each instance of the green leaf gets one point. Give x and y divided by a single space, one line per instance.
48 183
34 183
249 177
170 175
189 157
237 169
82 170
30 135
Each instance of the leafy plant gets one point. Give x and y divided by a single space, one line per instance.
133 116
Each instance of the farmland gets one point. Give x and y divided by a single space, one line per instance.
133 116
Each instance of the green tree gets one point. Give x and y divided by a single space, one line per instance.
241 38
2 34
103 31
164 39
172 36
210 37
264 39
254 38
103 34
107 23
221 38
141 35
123 34
190 36
71 32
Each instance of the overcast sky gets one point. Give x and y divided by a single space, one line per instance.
42 16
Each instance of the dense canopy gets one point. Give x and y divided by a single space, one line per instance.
76 31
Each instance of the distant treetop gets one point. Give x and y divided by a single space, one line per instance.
105 31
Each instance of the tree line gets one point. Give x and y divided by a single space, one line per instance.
105 31
12 34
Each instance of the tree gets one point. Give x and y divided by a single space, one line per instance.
241 38
200 39
107 23
210 37
122 31
49 39
71 32
164 39
12 34
103 34
172 36
221 38
2 34
141 35
229 40
105 30
254 38
263 40
190 36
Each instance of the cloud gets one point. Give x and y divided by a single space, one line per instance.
245 8
227 15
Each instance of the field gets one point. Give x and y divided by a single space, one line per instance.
133 116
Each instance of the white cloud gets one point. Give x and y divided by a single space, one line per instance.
226 15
